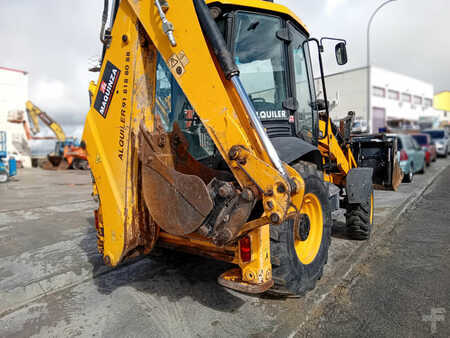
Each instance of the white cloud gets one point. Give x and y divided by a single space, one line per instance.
49 90
332 5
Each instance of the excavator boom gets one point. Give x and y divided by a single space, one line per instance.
34 113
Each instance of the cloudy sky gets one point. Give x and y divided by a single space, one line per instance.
55 39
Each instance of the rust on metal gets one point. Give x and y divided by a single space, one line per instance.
231 219
397 176
178 202
252 225
185 163
232 279
199 251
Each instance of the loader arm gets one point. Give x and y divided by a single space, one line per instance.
34 114
340 160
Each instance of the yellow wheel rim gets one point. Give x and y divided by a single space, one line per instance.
371 208
307 249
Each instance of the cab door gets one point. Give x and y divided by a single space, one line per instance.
306 118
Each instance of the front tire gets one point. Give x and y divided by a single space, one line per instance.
300 251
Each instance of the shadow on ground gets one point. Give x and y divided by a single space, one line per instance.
164 274
339 230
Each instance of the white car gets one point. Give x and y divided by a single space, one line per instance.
360 126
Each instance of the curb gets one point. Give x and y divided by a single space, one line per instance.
343 274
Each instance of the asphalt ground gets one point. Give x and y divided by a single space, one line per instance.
53 281
402 288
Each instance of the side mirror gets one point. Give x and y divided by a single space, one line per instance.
341 53
318 105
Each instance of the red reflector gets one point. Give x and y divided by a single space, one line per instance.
403 156
245 249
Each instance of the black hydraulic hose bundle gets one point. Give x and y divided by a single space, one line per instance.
105 34
104 19
215 39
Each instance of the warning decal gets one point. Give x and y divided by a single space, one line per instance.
106 89
177 63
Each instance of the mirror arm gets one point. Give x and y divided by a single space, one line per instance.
322 76
334 39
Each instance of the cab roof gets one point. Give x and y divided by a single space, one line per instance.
261 4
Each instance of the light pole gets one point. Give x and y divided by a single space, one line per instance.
369 87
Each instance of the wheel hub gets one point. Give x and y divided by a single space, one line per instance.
304 227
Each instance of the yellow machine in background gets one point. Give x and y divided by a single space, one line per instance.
34 114
69 153
204 135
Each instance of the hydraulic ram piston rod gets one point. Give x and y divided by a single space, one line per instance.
218 44
258 126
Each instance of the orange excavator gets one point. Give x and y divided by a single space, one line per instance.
69 153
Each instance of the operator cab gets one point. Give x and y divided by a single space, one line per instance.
271 50
270 46
276 73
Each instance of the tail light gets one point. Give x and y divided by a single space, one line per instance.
403 156
245 249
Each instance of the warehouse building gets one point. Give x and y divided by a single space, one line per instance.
13 95
394 96
442 106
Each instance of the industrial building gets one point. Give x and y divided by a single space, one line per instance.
13 95
394 96
442 106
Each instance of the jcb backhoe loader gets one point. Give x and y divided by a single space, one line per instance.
205 135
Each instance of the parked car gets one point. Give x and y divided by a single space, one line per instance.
411 158
428 146
360 126
440 138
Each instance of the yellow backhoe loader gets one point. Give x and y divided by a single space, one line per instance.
205 135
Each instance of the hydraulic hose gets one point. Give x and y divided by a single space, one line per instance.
104 20
215 39
231 71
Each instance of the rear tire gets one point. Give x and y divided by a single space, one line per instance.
299 252
423 169
4 177
408 178
359 218
79 164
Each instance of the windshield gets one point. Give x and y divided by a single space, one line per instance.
435 134
259 54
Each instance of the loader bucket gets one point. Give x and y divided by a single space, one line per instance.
55 160
380 153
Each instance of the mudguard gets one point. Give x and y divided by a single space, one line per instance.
290 149
359 185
